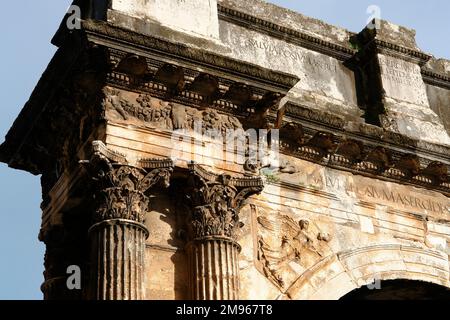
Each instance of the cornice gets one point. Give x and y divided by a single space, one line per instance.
436 79
101 150
148 46
367 150
402 52
183 94
238 182
365 131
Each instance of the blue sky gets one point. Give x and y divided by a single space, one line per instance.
26 29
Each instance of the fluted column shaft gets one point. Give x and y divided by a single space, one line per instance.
118 234
213 266
118 259
215 202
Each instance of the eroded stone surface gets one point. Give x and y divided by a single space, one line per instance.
191 16
325 82
354 188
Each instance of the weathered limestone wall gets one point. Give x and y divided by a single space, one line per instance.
360 228
195 17
439 96
439 99
361 121
389 231
325 82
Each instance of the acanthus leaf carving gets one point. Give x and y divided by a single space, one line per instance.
215 202
120 189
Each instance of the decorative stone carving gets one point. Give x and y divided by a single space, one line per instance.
114 101
151 110
239 94
118 234
207 86
378 159
179 117
121 194
213 121
354 150
134 66
283 242
215 202
172 77
259 119
170 116
351 150
323 143
409 165
437 171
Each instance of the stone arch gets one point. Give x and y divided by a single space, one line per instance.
339 274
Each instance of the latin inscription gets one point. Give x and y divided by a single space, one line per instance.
400 72
308 60
376 192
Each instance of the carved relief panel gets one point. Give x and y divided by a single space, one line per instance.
148 111
286 246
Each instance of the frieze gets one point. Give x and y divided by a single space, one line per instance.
160 114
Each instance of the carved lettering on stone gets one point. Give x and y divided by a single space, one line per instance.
402 80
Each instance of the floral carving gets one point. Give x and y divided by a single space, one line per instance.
151 110
213 121
170 116
120 189
215 202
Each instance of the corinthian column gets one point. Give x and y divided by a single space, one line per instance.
118 234
215 202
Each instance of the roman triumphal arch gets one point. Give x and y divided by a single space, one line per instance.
229 149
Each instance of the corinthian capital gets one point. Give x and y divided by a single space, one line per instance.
216 200
119 188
